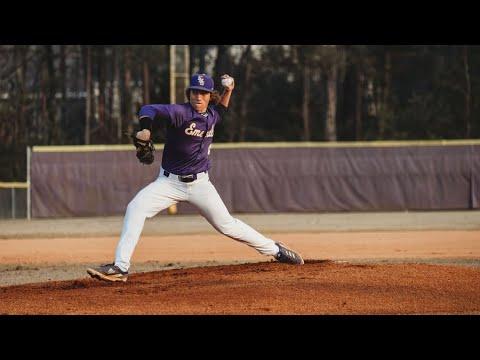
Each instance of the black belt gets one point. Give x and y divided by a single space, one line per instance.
183 178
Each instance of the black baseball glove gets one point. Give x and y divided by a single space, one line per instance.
145 149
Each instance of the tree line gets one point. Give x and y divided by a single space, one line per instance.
90 94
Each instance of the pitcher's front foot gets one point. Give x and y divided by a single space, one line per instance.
108 272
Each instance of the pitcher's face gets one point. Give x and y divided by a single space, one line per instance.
199 100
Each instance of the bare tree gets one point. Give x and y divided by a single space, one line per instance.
330 59
88 91
192 50
304 56
330 124
127 93
116 100
306 102
221 62
101 73
384 98
246 85
146 76
467 92
333 60
19 77
202 51
63 87
54 130
360 79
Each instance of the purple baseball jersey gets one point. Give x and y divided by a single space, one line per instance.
189 135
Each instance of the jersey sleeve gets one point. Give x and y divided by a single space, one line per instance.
221 110
169 112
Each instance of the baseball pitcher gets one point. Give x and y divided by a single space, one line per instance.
184 175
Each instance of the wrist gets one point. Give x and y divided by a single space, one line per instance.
145 122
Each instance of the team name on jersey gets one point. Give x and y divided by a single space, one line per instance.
195 132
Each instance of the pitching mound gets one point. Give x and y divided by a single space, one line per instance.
318 287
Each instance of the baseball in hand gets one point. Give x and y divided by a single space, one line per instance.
227 81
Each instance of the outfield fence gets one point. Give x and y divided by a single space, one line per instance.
99 180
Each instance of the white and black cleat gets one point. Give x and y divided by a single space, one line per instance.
108 272
286 255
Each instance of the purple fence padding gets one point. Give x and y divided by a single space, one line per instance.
270 180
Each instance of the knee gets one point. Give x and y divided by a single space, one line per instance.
133 206
137 210
227 227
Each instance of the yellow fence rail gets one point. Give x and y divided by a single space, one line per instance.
260 145
14 185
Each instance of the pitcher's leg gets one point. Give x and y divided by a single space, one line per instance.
211 206
154 198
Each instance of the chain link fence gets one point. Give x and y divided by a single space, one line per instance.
13 200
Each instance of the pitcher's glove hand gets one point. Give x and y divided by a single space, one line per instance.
145 149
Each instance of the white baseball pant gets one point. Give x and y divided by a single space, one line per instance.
166 191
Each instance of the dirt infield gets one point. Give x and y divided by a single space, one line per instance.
318 287
199 271
48 259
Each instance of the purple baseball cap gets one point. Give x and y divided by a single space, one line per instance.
201 82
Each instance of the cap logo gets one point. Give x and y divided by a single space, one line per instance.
201 80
